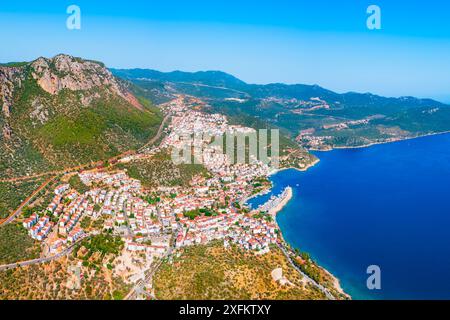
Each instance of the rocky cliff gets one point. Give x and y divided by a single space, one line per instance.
65 110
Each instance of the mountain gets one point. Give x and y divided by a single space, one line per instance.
225 81
317 117
67 111
208 78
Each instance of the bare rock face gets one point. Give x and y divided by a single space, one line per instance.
59 73
9 78
39 112
63 72
67 72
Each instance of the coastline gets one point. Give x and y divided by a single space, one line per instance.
379 143
336 282
274 211
309 166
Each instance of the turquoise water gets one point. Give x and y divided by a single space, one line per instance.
386 205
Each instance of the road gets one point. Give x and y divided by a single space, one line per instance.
310 280
68 170
41 260
72 169
92 164
158 134
25 203
139 287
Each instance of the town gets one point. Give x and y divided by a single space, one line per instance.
156 221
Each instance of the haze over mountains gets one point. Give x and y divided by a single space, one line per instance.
315 116
280 90
62 111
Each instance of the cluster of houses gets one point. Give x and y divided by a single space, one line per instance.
38 228
123 201
69 214
158 250
255 234
75 234
243 230
118 180
195 128
72 214
147 219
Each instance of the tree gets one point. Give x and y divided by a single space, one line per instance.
27 212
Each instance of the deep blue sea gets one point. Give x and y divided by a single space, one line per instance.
386 205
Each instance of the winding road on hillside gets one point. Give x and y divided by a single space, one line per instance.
140 285
158 134
25 203
72 169
308 279
42 260
92 164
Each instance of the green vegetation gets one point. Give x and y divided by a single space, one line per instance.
161 171
305 263
117 295
13 64
103 243
293 108
213 272
152 199
200 212
86 222
12 194
16 245
71 127
76 183
109 128
55 281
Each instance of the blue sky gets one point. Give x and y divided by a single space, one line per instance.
314 42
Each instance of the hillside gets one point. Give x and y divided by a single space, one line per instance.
316 117
214 272
66 111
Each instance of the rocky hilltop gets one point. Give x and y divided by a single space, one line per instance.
65 110
59 73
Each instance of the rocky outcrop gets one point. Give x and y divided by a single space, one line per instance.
59 73
91 80
9 78
66 72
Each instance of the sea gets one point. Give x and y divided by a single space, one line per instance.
387 206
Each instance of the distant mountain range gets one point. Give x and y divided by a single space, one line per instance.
316 117
65 111
279 90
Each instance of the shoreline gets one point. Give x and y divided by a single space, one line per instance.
379 143
309 166
274 212
336 282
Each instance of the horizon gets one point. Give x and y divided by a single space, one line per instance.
269 150
324 43
249 83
